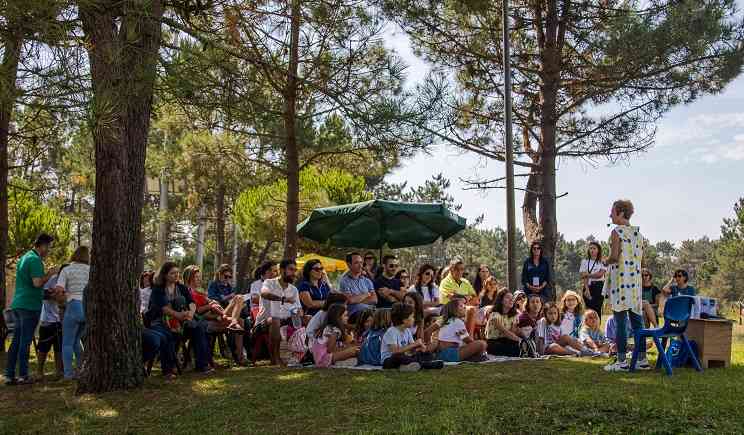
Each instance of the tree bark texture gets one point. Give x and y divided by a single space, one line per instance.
123 41
220 226
291 148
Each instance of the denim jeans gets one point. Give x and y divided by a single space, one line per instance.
73 325
24 327
152 342
167 347
621 331
197 333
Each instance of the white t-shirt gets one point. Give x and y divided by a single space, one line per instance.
394 337
454 332
277 309
312 326
49 308
255 291
428 295
567 323
549 333
73 279
144 299
591 267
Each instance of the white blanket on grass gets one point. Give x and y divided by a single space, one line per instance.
351 364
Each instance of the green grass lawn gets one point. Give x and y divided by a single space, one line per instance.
572 395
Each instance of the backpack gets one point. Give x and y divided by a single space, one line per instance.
370 352
678 355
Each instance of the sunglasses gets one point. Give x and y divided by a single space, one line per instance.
646 274
428 273
318 269
227 276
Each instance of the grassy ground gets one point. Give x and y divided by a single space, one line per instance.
523 397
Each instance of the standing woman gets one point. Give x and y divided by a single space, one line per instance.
623 283
72 281
536 274
592 272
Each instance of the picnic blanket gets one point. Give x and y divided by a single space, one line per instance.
352 365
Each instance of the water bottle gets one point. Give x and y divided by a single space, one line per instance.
296 319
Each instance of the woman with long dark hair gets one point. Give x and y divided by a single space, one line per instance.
592 272
267 270
484 272
426 287
536 274
314 287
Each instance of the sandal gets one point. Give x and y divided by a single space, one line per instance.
170 376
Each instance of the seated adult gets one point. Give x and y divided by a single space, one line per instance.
220 289
404 277
279 300
314 287
145 284
388 287
370 269
267 270
536 274
455 284
678 285
358 288
650 295
171 313
427 288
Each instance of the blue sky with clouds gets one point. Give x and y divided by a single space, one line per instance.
682 187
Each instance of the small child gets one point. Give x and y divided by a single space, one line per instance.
455 344
527 321
610 333
333 343
399 350
372 344
591 335
363 326
550 340
572 314
520 301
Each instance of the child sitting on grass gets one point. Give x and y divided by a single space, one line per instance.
333 343
549 338
591 335
455 344
363 326
502 327
399 350
527 321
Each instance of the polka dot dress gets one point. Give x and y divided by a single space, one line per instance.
623 284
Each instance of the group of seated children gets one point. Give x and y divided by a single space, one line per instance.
407 338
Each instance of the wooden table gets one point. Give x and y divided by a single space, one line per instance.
713 338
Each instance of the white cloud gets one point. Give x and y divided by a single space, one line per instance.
718 120
735 152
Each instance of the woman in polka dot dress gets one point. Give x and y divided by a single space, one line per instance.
623 287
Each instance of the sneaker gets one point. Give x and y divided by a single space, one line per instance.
432 365
412 367
587 352
604 355
642 364
28 380
616 367
10 382
573 351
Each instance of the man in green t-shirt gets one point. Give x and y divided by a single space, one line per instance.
26 307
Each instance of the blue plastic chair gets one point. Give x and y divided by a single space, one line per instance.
677 312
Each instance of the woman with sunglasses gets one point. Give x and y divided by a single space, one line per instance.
536 274
650 295
221 289
427 288
314 287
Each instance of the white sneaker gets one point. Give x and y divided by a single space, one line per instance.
412 367
573 351
616 367
642 364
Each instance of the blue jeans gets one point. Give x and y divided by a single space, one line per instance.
167 347
73 325
197 333
621 331
24 326
152 342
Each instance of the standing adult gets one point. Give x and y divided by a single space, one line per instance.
623 283
73 280
592 271
25 309
279 299
455 285
387 286
359 289
426 287
221 289
536 274
314 287
267 270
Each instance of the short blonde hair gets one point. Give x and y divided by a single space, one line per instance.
624 206
81 255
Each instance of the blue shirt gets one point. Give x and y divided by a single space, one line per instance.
217 290
688 291
319 293
541 271
354 287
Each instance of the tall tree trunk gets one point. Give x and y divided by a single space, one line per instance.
529 208
200 233
12 46
291 149
245 254
220 220
163 226
123 43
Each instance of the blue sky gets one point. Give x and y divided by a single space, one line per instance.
682 188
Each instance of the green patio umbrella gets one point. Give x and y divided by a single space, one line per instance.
374 224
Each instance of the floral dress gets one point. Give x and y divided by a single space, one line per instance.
623 281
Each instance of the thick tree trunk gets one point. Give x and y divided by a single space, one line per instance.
12 51
124 39
220 224
245 253
529 208
291 149
200 237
